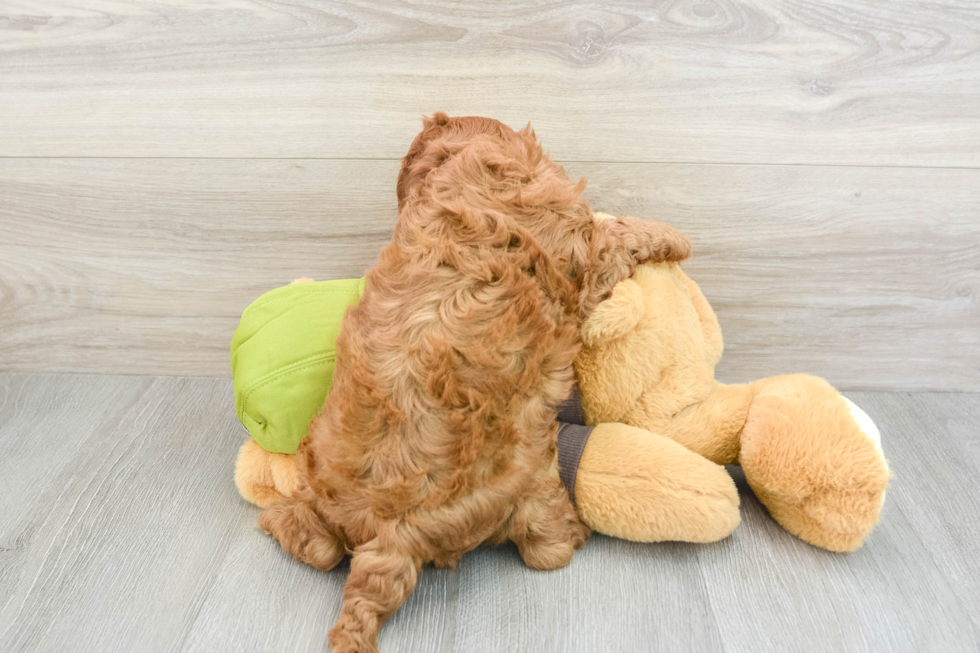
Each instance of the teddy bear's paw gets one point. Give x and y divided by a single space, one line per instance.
827 514
263 477
262 496
866 425
849 513
834 519
853 512
614 317
814 459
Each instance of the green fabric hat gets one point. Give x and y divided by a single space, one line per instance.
282 358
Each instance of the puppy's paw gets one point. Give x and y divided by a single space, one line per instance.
547 556
677 246
302 534
655 242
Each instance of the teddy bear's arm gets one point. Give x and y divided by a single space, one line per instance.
644 487
616 316
713 342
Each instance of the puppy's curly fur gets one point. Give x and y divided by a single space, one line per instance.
439 432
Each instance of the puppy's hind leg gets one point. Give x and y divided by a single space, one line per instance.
380 581
302 533
544 526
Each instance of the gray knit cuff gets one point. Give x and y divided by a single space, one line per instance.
572 437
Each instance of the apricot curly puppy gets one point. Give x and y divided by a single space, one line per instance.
439 432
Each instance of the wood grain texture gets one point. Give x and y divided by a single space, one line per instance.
737 81
112 526
121 531
867 276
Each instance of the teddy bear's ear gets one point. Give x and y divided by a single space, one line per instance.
616 316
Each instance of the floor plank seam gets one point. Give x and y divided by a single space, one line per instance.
754 164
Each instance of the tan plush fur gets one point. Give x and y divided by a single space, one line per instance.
264 477
648 361
439 431
644 487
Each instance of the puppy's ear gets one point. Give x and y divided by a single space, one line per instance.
412 172
616 316
437 119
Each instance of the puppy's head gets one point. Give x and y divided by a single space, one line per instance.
439 138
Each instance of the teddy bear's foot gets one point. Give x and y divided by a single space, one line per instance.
814 460
833 519
644 487
263 477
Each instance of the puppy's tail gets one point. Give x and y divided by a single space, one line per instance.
302 533
379 582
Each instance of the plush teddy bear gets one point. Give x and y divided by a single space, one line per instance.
811 456
651 467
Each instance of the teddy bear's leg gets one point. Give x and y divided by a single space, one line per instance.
644 487
263 477
711 427
812 458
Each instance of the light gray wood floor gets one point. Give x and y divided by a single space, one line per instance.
121 530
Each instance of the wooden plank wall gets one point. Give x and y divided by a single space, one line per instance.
161 165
